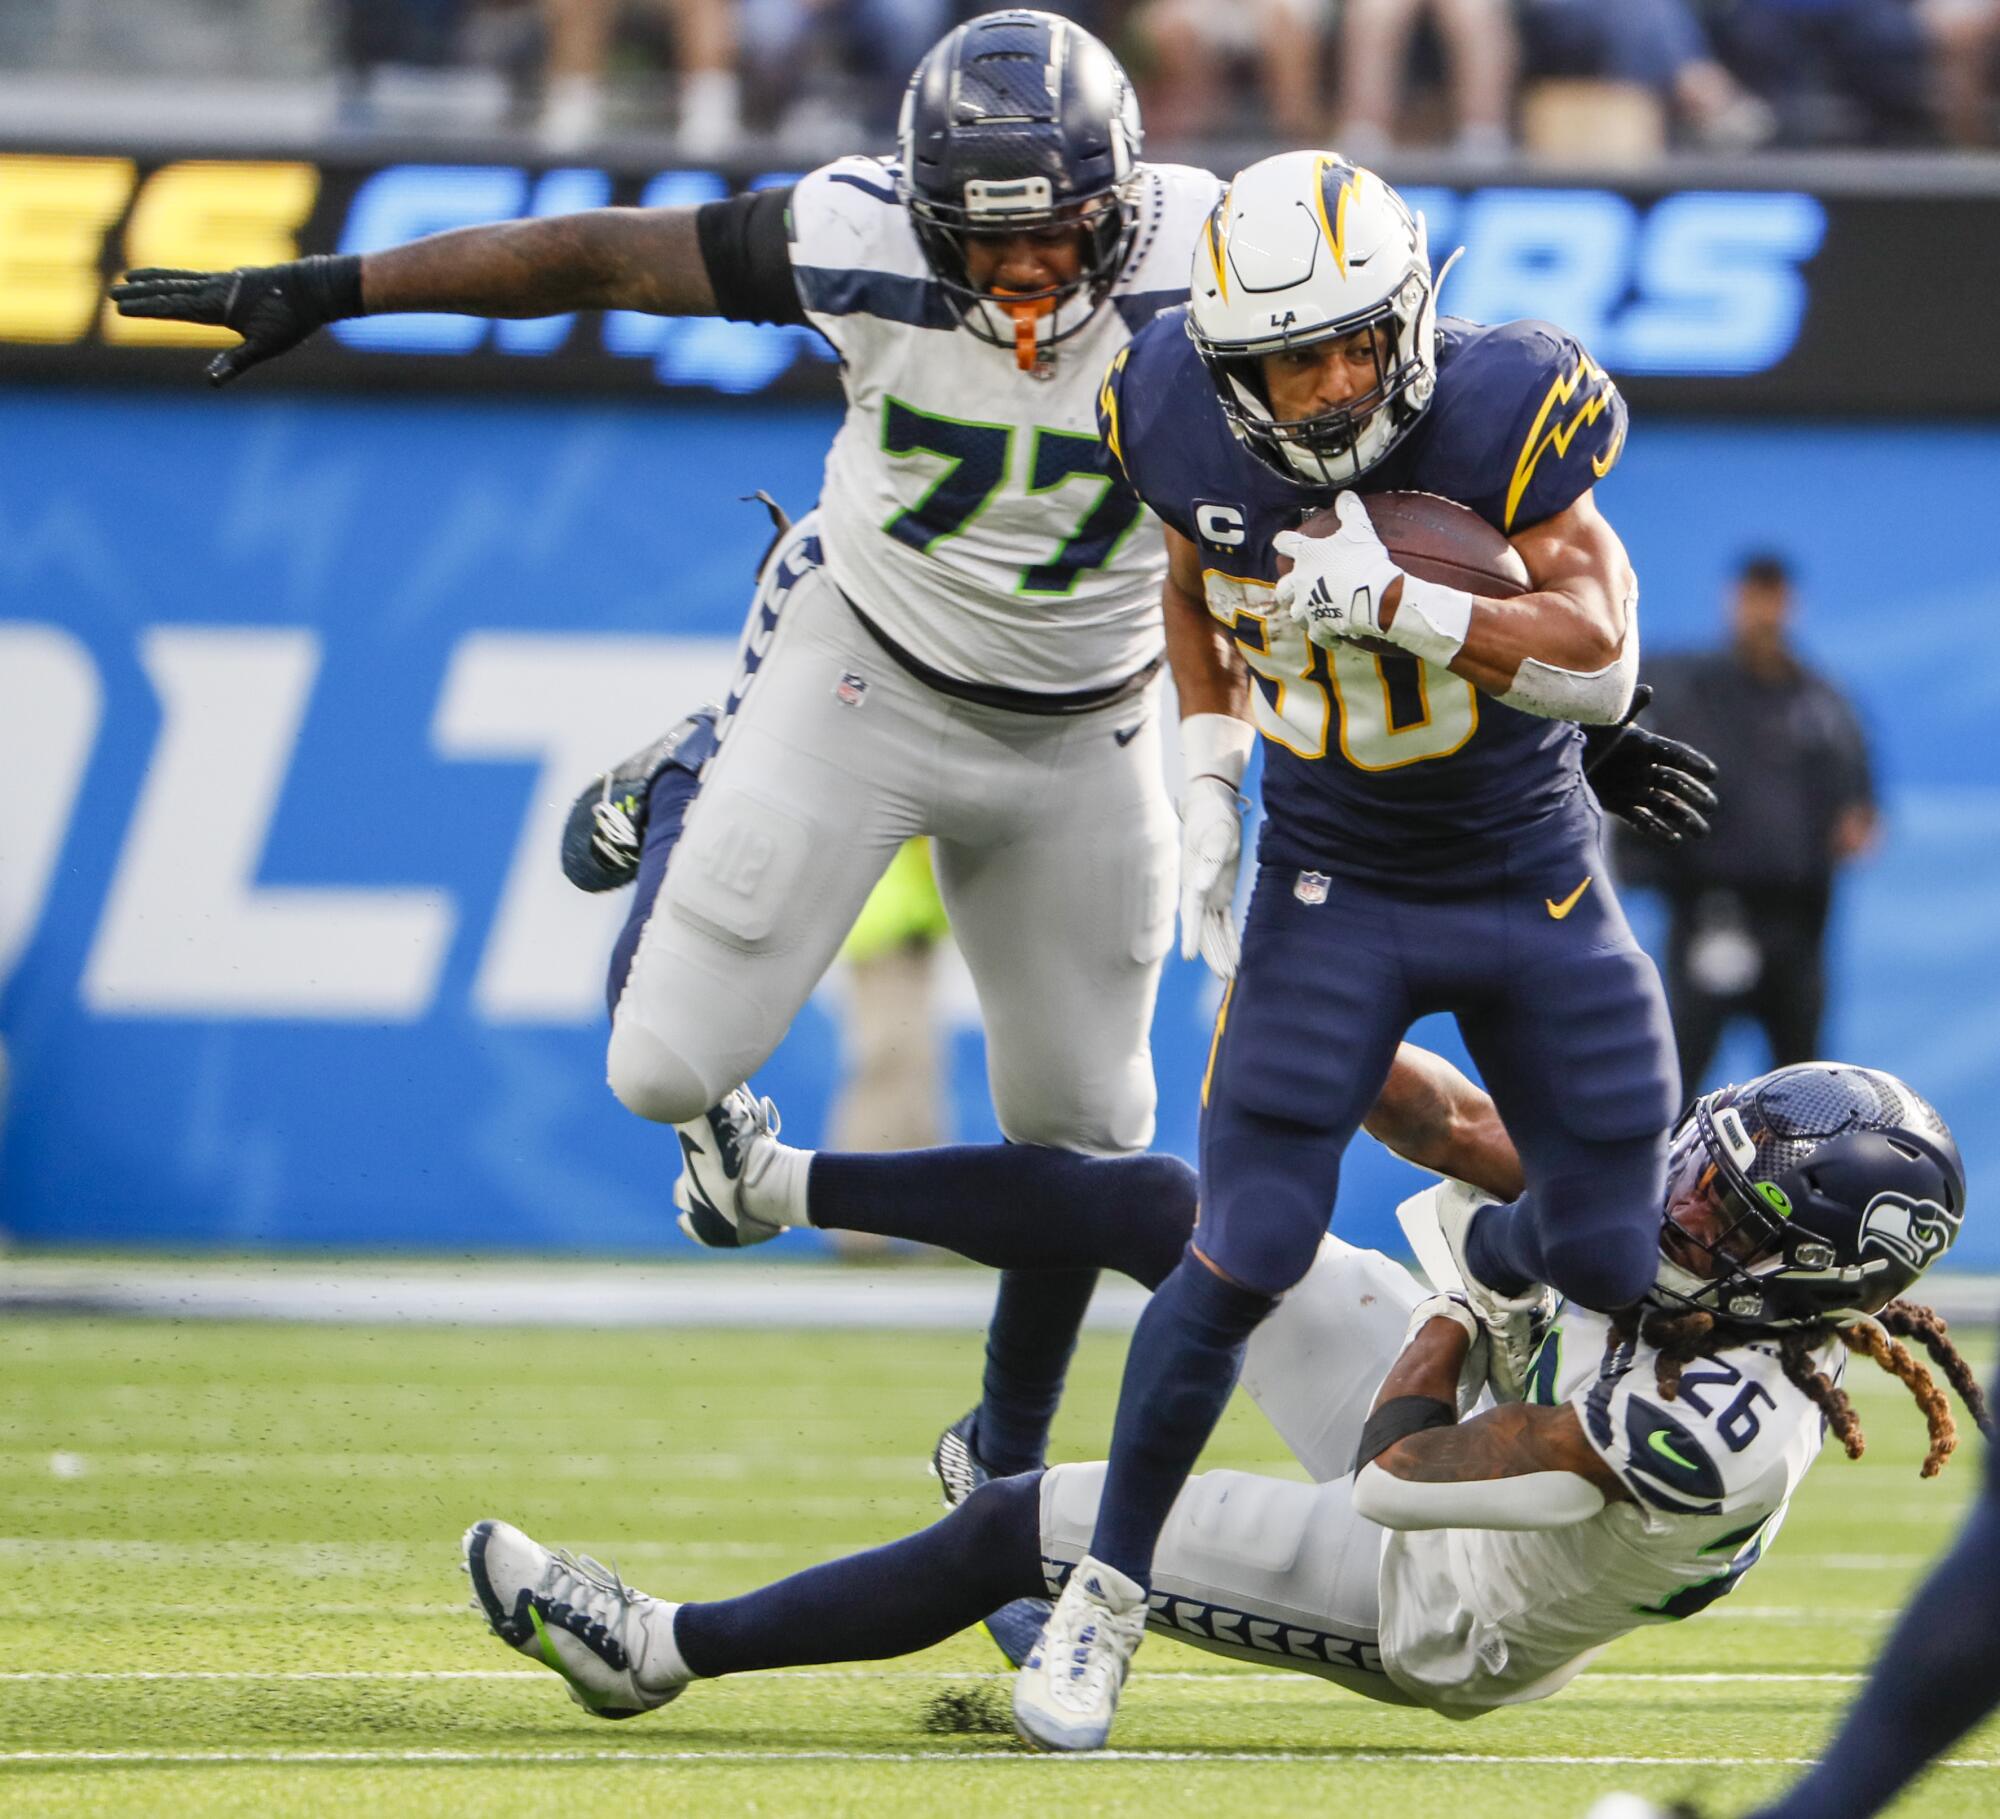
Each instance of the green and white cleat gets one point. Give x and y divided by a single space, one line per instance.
613 1646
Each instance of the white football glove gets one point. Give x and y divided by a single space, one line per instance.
1336 583
1211 849
1215 749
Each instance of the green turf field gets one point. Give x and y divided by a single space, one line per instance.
231 1555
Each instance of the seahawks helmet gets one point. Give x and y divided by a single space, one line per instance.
1818 1192
1305 248
1018 122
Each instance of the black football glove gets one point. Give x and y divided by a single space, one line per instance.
273 307
1657 784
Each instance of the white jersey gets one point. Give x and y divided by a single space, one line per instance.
1476 1618
966 507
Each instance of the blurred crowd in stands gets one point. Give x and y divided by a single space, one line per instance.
1599 81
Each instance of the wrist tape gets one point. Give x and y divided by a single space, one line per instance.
1432 620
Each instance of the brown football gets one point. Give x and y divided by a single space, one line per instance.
1435 539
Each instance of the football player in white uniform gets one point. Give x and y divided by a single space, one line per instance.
1455 1562
963 639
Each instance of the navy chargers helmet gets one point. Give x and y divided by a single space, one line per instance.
1020 122
1816 1193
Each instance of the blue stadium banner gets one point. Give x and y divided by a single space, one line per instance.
1708 299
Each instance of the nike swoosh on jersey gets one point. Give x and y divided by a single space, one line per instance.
1562 909
1665 1448
1125 735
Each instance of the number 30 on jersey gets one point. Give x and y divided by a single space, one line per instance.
1394 710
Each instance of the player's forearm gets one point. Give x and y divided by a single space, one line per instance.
1209 677
607 258
1428 1366
1431 1114
1578 629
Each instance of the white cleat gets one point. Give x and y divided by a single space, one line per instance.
613 1646
1436 1222
1637 1806
723 1152
1067 1693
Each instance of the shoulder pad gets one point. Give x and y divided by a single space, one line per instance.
1174 201
1526 423
1147 380
853 249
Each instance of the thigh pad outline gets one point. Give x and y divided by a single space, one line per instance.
741 865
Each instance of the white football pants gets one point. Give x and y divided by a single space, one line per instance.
1056 851
1266 1569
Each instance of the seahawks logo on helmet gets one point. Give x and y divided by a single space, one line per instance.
1914 1232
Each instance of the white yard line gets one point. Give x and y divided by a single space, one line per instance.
1645 1677
1332 1758
690 1292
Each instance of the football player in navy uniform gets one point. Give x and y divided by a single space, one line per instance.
1429 844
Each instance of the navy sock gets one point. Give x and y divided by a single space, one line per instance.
889 1601
667 805
1936 1677
1186 1353
1037 1316
1016 1206
1501 1236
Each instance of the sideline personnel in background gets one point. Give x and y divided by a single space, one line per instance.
1748 906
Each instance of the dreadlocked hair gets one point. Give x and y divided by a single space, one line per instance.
1795 1353
1912 1320
1679 1339
1873 1338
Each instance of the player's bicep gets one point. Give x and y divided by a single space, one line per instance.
1514 1440
1208 671
1518 1466
1184 570
1577 554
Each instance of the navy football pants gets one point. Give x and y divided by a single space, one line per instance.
1561 1011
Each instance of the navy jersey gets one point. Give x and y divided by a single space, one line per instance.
1379 766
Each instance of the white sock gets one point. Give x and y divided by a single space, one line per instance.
776 1193
666 1667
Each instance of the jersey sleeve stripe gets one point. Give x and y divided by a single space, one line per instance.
829 291
882 192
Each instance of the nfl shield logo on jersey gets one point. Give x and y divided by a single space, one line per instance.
851 690
1311 887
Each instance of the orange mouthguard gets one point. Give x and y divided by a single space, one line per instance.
1026 314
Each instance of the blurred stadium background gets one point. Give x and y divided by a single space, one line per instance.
297 682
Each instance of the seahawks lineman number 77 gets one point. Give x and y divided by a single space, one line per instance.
962 640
